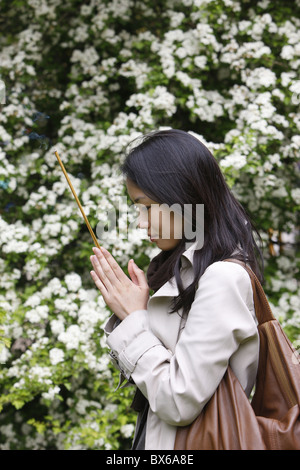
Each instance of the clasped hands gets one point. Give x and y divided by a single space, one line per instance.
122 295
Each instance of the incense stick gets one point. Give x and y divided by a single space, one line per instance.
77 200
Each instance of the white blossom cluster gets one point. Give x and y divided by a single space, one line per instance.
104 74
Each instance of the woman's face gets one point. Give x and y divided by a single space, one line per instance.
164 226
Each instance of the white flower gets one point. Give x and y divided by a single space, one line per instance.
73 282
56 356
181 52
4 354
33 300
200 61
37 314
15 246
287 52
295 87
234 160
127 430
30 70
71 337
280 192
50 395
40 373
176 18
259 77
81 406
57 326
295 193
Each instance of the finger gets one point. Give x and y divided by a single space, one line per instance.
140 275
100 272
108 261
105 270
99 284
132 272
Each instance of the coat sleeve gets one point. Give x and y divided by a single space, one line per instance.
178 385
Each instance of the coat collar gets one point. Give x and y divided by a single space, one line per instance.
170 289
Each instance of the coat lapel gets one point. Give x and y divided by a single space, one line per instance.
170 289
164 325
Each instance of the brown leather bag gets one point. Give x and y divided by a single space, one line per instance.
271 421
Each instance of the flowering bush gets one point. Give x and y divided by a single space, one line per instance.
85 79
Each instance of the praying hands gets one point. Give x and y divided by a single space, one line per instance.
122 295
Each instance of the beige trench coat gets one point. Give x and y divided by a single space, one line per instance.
178 364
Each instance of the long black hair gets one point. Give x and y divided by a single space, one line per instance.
174 167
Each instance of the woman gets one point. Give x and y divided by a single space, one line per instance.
176 345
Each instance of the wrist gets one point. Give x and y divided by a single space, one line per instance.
128 312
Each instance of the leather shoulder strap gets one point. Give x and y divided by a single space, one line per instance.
263 310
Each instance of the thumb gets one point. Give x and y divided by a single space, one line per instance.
131 272
139 275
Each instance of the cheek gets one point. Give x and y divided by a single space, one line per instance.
165 223
154 220
159 223
177 226
143 218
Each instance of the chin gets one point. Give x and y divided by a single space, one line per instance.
166 245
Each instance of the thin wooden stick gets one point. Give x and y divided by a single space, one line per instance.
77 200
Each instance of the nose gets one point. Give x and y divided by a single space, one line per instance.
143 221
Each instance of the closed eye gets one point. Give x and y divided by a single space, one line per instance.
140 206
